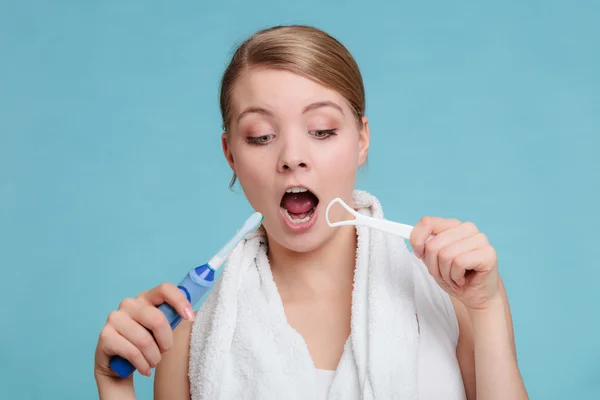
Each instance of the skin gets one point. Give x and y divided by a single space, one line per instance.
280 138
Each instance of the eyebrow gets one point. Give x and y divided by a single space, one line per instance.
310 107
321 104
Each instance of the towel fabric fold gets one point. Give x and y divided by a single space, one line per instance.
242 346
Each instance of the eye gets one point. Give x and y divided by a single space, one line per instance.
259 140
324 133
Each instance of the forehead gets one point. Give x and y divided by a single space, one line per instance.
280 91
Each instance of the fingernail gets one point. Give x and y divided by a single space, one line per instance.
189 313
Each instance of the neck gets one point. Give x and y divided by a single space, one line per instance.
327 270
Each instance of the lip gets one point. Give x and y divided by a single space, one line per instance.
303 227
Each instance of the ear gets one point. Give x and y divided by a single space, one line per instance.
227 150
363 141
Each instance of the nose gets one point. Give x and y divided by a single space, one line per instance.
293 157
292 163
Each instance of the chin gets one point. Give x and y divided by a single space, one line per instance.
306 244
302 243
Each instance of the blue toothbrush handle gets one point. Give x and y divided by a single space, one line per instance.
195 286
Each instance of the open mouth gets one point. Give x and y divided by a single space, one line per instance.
298 204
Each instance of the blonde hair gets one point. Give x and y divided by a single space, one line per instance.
300 49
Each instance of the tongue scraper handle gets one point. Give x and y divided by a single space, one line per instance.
195 285
384 225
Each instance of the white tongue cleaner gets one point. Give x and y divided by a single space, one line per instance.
395 228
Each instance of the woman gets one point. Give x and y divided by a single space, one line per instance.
436 324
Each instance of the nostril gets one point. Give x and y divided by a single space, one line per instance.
293 165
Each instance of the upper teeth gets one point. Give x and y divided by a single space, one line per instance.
296 190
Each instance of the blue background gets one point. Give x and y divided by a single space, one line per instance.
109 124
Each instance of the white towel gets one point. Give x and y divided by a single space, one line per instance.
243 348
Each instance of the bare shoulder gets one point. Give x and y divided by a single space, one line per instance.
171 375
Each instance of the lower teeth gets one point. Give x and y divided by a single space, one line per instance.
298 221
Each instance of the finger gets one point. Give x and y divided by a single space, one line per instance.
154 320
135 333
426 227
457 274
114 343
169 293
445 239
454 232
454 275
481 259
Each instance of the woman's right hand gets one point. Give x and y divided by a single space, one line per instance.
127 332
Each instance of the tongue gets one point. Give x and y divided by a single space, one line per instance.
298 203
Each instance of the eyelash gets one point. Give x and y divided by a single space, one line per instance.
257 141
330 133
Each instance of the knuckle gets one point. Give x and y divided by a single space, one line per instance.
155 361
165 287
470 226
145 343
167 343
413 240
153 318
182 297
432 247
142 295
164 341
456 268
135 356
126 303
426 221
456 262
113 317
156 321
105 334
445 256
460 262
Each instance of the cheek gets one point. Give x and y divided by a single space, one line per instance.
342 160
254 174
249 162
251 170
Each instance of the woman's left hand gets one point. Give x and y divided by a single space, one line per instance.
460 258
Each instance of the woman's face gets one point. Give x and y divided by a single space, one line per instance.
294 146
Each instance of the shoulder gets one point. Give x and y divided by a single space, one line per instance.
171 375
